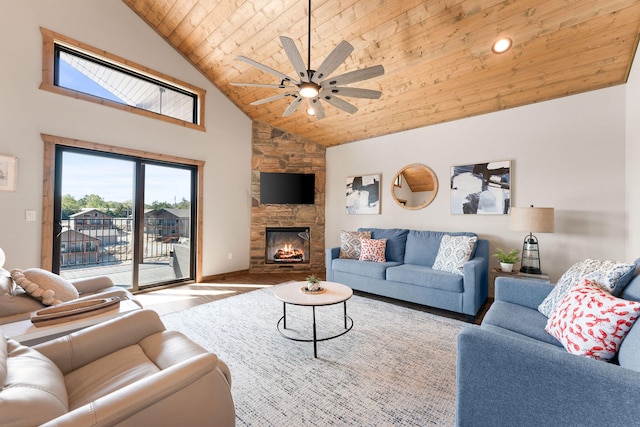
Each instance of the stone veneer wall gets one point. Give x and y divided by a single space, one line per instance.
274 150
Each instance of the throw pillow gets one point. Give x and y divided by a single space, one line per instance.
591 322
454 251
373 250
609 275
46 287
350 243
6 284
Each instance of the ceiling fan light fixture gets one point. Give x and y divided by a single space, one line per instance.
308 90
311 111
501 45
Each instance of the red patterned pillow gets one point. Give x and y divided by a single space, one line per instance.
591 322
373 250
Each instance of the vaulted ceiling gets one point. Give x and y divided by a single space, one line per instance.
437 54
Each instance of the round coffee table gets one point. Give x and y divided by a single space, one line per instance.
334 293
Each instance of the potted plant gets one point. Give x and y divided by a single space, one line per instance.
507 259
313 283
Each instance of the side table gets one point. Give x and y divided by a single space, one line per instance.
496 272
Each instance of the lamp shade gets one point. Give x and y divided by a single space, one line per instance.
533 220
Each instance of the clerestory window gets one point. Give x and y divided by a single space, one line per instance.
78 70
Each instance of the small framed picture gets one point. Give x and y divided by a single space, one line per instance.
8 173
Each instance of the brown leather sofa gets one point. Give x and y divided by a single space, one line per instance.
129 371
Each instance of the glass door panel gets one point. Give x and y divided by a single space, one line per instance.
166 226
94 222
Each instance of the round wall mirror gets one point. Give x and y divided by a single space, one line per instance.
414 186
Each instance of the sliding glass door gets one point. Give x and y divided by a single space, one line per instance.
122 216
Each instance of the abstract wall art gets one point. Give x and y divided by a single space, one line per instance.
481 188
363 194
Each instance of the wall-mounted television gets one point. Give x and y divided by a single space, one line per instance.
287 188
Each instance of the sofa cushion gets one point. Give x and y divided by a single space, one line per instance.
591 322
422 246
453 253
47 287
632 290
629 353
427 277
350 243
396 241
33 390
609 275
374 270
520 319
372 250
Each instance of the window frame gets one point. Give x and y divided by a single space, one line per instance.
49 41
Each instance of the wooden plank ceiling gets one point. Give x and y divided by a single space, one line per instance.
437 54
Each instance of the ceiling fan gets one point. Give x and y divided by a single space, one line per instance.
316 85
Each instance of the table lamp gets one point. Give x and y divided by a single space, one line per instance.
539 220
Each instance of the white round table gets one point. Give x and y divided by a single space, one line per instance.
334 293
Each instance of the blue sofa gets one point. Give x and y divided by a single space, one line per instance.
407 274
511 372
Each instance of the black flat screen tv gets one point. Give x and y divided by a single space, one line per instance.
287 188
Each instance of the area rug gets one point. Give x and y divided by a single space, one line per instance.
396 367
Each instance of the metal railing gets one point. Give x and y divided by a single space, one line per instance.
110 241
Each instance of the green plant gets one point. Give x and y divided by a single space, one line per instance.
510 257
313 279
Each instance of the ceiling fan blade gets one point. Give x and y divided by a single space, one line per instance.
355 76
353 92
295 58
263 67
261 85
332 61
317 107
293 106
340 103
272 98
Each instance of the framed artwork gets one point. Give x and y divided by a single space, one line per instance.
8 173
481 188
363 194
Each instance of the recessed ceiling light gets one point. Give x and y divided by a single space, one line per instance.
501 45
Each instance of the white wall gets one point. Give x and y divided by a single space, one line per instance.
633 161
566 153
26 112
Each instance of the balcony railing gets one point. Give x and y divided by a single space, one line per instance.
108 242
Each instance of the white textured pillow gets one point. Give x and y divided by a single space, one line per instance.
611 276
350 243
45 286
454 251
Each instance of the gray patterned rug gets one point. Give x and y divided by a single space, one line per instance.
396 367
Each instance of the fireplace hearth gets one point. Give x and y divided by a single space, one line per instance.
287 245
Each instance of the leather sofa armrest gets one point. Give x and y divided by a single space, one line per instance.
193 392
79 348
88 285
526 292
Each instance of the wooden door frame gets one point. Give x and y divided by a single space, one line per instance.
48 181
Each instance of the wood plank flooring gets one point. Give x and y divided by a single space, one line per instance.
181 297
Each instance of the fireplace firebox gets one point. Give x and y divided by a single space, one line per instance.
287 245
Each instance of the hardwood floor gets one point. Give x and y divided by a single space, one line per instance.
180 297
176 298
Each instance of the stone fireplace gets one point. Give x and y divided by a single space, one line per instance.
277 151
287 245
